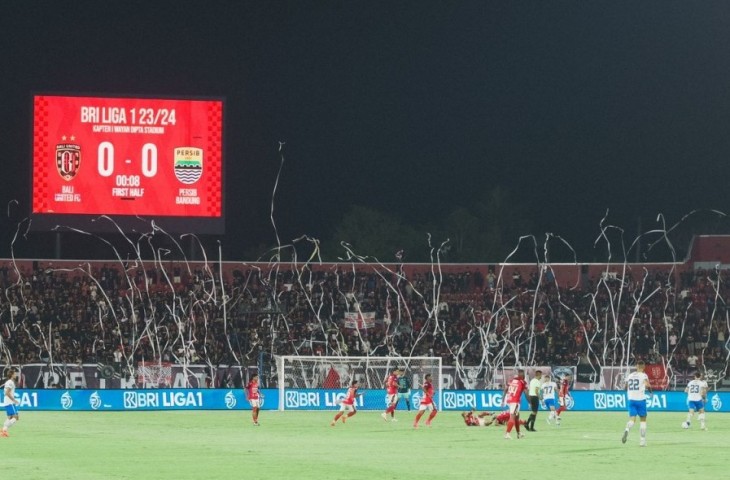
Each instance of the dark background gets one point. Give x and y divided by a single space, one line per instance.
411 109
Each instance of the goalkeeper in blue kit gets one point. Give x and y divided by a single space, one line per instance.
404 390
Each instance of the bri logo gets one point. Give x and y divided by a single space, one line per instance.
453 400
603 401
301 399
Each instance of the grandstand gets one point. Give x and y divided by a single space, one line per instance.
64 322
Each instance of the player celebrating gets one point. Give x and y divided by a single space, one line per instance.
637 385
254 398
548 396
480 420
391 396
535 396
347 404
512 393
9 402
563 398
696 398
426 402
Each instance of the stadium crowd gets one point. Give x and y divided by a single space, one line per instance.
108 313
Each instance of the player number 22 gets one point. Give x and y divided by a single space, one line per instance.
106 159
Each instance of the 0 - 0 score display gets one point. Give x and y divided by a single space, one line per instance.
127 156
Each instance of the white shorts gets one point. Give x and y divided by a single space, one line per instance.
255 403
514 408
426 406
346 408
481 421
390 399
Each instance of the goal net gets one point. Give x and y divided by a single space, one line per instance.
310 377
154 374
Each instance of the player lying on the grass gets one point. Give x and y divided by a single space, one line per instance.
347 404
485 419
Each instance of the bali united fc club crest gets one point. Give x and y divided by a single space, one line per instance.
68 160
188 164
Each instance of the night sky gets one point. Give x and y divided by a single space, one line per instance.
414 108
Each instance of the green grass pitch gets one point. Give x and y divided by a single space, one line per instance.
302 445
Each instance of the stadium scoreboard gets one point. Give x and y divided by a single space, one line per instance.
154 158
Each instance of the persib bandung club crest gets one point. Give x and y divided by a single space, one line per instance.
68 160
188 164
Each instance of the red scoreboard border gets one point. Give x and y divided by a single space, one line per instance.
89 222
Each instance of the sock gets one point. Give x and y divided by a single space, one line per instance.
517 425
418 417
701 417
8 423
510 424
408 404
642 430
689 418
337 417
351 414
629 424
531 421
430 417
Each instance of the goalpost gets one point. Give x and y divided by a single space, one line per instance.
297 373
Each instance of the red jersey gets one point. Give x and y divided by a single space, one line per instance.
564 388
471 420
252 391
502 418
391 384
514 391
427 394
351 394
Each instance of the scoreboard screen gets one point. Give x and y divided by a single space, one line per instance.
128 157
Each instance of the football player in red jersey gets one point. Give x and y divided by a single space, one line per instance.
347 404
512 393
391 394
426 402
503 418
483 419
563 397
486 419
252 395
